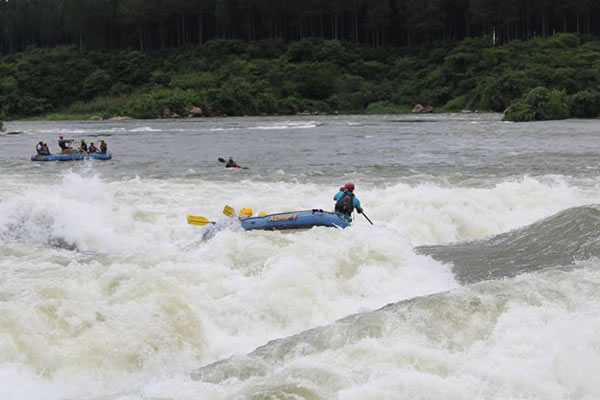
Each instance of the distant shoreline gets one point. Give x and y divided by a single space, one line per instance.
68 117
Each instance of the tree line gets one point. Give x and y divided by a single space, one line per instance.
551 77
147 25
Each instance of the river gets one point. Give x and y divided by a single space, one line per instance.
480 278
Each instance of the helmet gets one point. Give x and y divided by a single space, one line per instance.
41 142
260 214
246 212
91 142
349 186
102 140
60 136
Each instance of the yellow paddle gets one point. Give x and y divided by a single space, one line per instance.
197 220
229 211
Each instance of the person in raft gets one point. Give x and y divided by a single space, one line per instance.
103 147
92 148
65 145
42 148
45 149
231 164
346 202
83 146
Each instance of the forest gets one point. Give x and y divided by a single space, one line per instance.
147 25
74 59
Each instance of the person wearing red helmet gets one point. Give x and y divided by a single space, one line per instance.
65 145
346 202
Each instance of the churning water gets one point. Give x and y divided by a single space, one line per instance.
479 279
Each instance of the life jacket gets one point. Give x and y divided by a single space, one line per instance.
103 148
92 149
346 203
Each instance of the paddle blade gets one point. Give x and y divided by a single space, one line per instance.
221 159
229 211
197 220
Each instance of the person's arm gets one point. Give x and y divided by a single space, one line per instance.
338 195
356 204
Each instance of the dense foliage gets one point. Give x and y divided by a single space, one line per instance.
539 104
158 24
234 77
585 104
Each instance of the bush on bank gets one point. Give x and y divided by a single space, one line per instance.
539 104
585 104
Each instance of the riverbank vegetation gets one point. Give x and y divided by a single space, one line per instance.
112 58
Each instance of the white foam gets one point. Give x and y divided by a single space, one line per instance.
140 298
145 129
289 125
532 337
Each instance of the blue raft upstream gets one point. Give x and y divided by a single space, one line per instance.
297 220
72 157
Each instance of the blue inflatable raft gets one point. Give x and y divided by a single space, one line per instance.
72 157
297 220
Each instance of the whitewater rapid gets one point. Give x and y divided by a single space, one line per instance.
107 293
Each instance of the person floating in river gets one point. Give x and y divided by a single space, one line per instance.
103 146
231 164
346 202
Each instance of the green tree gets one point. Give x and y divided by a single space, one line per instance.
539 104
96 83
225 13
585 104
378 20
